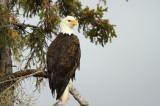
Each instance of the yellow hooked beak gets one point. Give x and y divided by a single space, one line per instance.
73 22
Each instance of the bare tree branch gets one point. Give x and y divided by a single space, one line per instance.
77 96
40 73
25 25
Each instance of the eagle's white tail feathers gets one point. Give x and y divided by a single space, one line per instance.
59 104
65 96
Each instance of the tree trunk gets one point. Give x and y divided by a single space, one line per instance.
6 98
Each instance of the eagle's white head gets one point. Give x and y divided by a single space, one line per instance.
67 25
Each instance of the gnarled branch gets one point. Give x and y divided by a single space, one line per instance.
40 73
77 96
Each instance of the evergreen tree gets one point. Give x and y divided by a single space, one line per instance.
14 36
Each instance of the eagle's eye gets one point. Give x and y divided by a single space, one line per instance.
69 20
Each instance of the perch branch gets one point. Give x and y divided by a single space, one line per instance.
40 73
77 96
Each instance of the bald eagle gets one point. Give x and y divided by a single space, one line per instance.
63 58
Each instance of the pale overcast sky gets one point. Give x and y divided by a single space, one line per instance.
125 72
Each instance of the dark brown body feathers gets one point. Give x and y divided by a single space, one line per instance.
63 58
